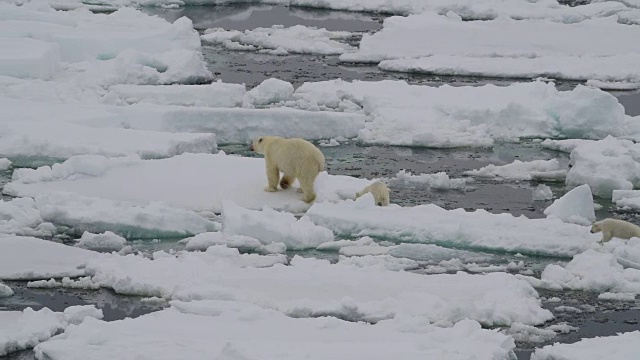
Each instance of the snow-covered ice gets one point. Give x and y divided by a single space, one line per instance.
151 219
542 192
576 206
5 291
268 92
25 258
197 182
193 330
216 94
298 39
25 329
203 241
66 282
477 229
270 226
541 170
437 181
347 291
617 296
106 241
626 199
620 346
605 165
21 216
29 58
446 116
4 164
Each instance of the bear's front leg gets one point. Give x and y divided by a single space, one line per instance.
606 236
273 175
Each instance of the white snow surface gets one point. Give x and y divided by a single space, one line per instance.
605 165
193 329
268 92
197 182
476 230
298 39
620 346
216 94
446 116
404 37
5 291
26 258
616 72
25 329
4 164
129 219
106 241
542 192
627 199
270 226
576 206
523 170
437 181
348 292
21 216
203 241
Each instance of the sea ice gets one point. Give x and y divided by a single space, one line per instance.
542 192
5 291
25 329
128 219
29 58
268 92
620 346
270 226
219 177
437 181
576 206
4 164
193 330
106 241
548 170
298 39
626 199
21 216
203 241
475 229
26 258
216 94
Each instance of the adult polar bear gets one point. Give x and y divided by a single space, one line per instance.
296 158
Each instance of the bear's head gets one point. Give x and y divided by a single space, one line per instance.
596 228
257 144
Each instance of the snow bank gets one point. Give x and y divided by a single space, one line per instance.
191 329
213 179
454 228
129 219
62 140
601 72
298 39
347 292
23 258
523 170
270 226
446 116
106 241
605 165
268 92
29 58
592 271
5 291
22 217
216 94
621 346
576 206
25 329
404 37
437 181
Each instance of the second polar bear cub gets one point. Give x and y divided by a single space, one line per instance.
296 158
615 228
380 193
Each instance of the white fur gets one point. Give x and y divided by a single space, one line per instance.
380 193
615 228
296 158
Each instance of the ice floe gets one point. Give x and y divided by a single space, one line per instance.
21 216
25 329
214 178
26 258
106 241
477 229
626 199
216 94
622 346
268 92
437 181
541 170
576 206
192 329
298 39
4 164
5 291
542 192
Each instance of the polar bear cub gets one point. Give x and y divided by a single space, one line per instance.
296 158
615 228
380 193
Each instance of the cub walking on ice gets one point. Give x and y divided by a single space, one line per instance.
615 228
380 193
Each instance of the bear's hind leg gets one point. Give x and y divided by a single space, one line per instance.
287 181
307 188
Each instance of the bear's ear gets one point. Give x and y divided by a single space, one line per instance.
260 140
